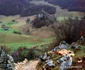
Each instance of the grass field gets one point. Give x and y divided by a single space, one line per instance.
66 18
15 41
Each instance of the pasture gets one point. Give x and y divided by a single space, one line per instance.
14 41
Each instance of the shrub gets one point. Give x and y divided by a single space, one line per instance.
5 49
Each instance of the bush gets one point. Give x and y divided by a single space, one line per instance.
69 30
31 54
28 20
5 49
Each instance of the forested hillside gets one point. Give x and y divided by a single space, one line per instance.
22 7
26 8
72 5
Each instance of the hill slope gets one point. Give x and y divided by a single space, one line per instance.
22 7
72 5
32 7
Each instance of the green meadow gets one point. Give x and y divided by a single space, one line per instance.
14 41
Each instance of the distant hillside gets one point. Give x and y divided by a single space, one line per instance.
71 5
32 7
22 7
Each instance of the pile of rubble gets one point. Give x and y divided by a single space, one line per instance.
61 57
7 63
6 60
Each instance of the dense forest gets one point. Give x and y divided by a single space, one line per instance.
25 8
71 5
22 7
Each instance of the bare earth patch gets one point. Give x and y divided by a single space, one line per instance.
27 66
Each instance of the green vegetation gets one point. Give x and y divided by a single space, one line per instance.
10 23
80 53
10 30
14 41
66 18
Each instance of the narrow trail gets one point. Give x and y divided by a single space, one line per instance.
28 66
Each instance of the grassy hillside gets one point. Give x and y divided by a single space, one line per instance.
14 41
